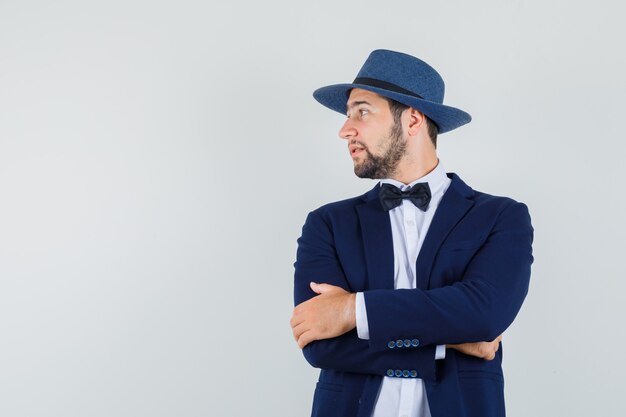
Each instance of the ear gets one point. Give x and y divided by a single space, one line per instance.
416 121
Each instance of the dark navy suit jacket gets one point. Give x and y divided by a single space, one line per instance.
472 271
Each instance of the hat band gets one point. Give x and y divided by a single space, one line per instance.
373 82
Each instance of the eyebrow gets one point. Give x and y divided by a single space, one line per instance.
358 103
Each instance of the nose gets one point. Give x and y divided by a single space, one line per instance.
347 131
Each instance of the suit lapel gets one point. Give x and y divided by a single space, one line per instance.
377 241
452 207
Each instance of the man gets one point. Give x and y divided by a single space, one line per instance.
385 281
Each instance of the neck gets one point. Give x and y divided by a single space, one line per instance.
413 168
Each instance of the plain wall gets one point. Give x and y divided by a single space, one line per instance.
158 159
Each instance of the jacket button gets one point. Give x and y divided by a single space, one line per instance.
389 372
391 344
415 343
398 373
413 373
407 343
406 373
399 343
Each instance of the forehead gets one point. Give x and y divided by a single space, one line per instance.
359 95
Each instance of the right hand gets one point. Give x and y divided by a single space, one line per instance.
484 350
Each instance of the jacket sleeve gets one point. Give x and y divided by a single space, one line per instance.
317 260
479 306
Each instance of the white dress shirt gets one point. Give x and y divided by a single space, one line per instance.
406 397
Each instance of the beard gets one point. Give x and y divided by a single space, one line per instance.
385 165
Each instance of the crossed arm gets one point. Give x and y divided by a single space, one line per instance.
332 314
478 307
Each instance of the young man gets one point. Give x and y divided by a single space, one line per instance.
385 281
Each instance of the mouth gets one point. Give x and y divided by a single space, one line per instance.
356 150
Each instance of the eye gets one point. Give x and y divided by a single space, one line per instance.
361 112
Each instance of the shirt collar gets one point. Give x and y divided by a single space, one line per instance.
434 178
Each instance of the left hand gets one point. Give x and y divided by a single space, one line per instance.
483 350
330 314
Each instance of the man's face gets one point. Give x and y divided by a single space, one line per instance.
375 141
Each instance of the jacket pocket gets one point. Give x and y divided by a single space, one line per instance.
329 386
480 375
482 393
460 245
329 400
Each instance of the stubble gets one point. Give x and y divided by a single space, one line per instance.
385 165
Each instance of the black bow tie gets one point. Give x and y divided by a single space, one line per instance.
391 196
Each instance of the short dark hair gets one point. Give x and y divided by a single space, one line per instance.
396 110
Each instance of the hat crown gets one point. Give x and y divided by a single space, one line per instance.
403 78
405 71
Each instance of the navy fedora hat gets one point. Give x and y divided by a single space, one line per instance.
403 78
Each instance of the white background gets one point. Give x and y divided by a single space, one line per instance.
158 159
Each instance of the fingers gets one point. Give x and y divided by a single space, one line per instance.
311 319
299 330
297 322
495 345
324 288
296 319
483 350
306 338
491 348
315 287
321 288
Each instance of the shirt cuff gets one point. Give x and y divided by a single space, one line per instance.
440 352
362 328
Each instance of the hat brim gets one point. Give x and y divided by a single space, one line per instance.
445 117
